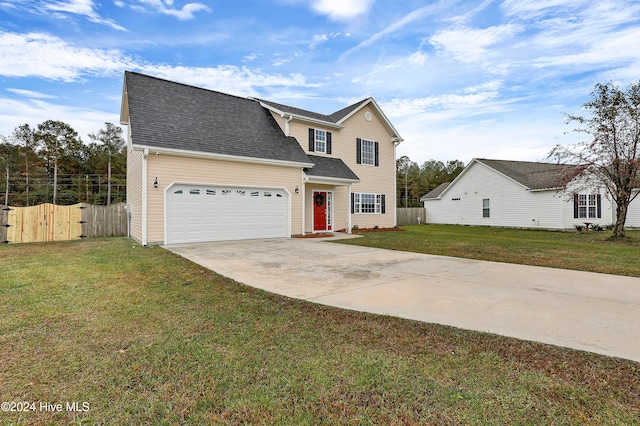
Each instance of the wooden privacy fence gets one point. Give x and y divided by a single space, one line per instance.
50 222
410 215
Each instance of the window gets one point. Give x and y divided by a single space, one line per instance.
367 152
485 207
319 141
587 206
367 203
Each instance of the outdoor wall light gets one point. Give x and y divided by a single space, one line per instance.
155 183
296 190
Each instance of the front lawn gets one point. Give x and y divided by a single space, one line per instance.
585 251
132 335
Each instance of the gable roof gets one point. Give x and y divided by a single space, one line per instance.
302 113
335 119
174 116
532 175
332 168
435 192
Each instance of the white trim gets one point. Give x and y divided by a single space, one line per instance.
145 181
297 116
394 133
319 180
303 191
174 183
226 157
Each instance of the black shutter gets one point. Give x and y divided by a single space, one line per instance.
358 151
312 140
353 203
377 155
383 210
599 206
575 206
328 142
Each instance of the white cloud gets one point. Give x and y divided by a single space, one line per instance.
165 7
34 111
407 19
30 94
381 72
472 44
342 10
81 7
321 38
42 55
231 79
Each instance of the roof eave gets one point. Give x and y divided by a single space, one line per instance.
322 180
226 157
298 117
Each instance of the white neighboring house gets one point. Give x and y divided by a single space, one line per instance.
520 194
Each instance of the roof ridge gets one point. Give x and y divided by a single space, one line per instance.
244 98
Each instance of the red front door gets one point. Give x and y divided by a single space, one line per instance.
319 211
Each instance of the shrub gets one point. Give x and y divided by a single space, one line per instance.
579 228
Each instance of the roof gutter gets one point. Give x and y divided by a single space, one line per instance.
226 157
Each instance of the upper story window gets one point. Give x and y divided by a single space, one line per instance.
367 152
319 141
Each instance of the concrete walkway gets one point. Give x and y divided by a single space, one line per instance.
593 312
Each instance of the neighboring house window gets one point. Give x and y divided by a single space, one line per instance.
587 206
319 141
367 152
368 203
485 207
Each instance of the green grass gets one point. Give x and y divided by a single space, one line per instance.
146 337
585 251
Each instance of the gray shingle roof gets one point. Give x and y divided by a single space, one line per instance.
435 192
330 168
534 175
331 118
165 114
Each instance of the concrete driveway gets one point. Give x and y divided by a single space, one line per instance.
581 310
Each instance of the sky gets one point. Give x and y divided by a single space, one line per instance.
458 79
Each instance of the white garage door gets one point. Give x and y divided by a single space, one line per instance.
198 213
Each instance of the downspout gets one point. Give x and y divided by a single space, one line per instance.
286 124
396 141
144 196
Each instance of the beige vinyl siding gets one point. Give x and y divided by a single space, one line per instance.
134 192
373 180
170 168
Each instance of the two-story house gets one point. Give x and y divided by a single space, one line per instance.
208 166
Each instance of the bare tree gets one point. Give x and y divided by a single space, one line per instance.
112 140
612 153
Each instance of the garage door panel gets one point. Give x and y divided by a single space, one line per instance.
216 213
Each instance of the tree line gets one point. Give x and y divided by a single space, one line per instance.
414 181
51 164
